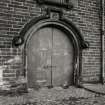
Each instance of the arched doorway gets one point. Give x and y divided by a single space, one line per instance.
50 60
52 52
52 55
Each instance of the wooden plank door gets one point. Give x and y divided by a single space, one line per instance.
49 58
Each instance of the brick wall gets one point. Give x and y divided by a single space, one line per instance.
14 14
86 16
90 26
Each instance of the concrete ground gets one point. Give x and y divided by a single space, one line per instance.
54 96
98 88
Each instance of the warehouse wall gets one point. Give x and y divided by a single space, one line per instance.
14 14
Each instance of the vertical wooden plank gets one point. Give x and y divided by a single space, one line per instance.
45 47
62 59
32 59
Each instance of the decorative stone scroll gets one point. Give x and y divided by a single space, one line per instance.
54 15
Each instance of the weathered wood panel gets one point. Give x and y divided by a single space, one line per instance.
62 59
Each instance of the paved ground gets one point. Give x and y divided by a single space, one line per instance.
55 96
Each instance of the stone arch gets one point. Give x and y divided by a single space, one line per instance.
71 30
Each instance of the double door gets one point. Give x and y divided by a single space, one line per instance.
49 58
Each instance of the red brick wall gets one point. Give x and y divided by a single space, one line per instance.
14 14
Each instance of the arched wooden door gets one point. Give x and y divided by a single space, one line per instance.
49 58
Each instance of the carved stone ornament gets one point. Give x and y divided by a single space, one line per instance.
54 15
17 41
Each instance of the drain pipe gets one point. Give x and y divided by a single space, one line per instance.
102 41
